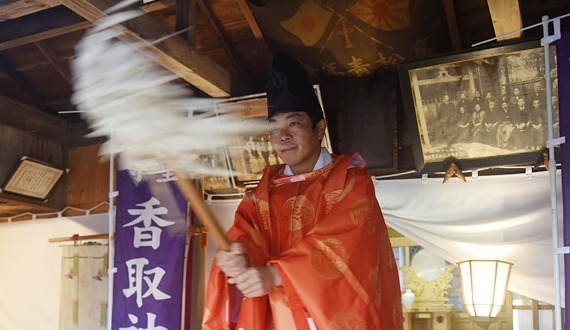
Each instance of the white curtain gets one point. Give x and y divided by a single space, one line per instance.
83 302
506 217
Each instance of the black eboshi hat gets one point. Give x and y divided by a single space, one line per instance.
289 89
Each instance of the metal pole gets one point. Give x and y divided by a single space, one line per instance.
513 32
111 257
552 170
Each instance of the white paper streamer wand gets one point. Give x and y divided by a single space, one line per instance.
127 97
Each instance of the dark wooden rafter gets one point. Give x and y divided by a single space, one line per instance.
224 40
449 8
250 19
46 29
21 8
58 65
56 32
186 18
21 82
58 19
172 53
246 10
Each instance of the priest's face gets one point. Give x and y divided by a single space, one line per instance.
295 140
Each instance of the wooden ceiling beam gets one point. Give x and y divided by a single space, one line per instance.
506 16
173 53
54 18
44 35
246 10
452 27
50 28
224 40
21 8
250 19
58 65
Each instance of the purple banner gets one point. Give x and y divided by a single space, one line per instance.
563 54
150 239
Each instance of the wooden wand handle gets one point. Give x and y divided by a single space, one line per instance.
202 211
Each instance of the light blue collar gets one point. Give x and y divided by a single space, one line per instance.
325 158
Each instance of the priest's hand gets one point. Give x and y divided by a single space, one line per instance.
234 261
257 281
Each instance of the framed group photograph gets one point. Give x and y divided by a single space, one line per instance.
481 109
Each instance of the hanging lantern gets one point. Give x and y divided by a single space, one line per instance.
484 284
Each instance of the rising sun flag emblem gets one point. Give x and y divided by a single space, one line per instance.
309 22
385 15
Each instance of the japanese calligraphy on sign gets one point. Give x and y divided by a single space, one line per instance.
150 241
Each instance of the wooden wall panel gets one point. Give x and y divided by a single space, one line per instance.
26 131
88 178
31 120
10 149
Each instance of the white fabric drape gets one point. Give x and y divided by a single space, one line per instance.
84 279
506 217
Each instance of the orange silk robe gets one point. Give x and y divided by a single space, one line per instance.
326 235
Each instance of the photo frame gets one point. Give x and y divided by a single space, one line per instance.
479 109
253 152
32 178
